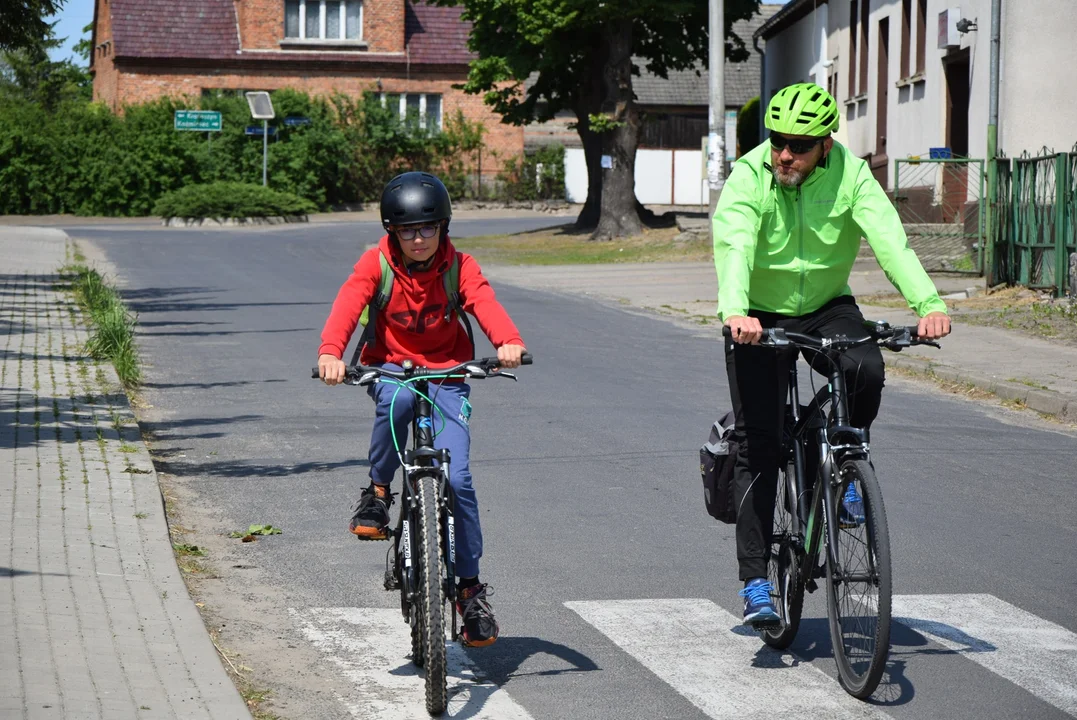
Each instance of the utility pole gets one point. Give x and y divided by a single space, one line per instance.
716 124
992 145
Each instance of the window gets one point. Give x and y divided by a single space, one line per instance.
323 19
906 31
921 35
853 36
864 47
421 108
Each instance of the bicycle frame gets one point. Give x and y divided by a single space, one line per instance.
837 440
418 462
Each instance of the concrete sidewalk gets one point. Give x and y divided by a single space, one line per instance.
96 620
1004 362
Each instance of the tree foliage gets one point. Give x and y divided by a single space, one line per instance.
22 22
539 57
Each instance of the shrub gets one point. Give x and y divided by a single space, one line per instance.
539 175
748 126
230 200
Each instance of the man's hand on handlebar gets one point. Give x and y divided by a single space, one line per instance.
510 356
933 326
330 369
744 330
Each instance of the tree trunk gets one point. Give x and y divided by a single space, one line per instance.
588 102
618 217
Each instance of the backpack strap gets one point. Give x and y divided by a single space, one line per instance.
369 318
454 304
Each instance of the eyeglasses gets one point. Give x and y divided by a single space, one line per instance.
797 147
408 233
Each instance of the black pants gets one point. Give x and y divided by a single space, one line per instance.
758 384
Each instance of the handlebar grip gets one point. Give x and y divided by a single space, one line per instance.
526 359
314 373
727 331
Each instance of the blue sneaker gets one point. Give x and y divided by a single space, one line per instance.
852 508
758 609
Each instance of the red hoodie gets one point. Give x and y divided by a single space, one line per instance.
413 326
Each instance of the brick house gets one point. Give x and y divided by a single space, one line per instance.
411 52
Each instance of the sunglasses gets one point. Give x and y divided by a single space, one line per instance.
408 233
797 147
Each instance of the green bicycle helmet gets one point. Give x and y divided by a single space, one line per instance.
802 109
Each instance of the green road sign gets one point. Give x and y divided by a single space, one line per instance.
199 120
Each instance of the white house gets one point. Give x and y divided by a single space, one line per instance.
912 75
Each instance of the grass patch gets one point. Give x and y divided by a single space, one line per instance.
566 246
1030 383
112 334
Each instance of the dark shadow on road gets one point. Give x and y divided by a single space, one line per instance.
208 386
183 467
206 333
501 661
12 572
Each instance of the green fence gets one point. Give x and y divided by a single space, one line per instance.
938 201
1035 225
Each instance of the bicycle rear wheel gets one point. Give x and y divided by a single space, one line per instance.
858 591
432 605
783 568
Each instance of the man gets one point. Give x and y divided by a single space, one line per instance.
787 230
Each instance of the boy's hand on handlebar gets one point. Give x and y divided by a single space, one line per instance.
331 369
744 330
933 326
509 356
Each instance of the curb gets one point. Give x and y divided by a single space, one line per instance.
1061 406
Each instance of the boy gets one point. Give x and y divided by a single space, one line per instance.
415 212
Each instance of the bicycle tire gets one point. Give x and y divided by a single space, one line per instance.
414 609
433 597
783 568
859 602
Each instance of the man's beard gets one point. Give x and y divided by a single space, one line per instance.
791 179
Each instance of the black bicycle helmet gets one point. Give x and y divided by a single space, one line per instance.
414 197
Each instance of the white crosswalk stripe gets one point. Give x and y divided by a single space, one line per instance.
703 653
1027 650
371 648
690 644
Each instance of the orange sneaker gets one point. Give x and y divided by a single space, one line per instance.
371 518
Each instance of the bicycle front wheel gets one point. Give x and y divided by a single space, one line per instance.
858 589
783 568
432 605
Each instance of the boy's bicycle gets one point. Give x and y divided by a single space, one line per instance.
421 561
822 451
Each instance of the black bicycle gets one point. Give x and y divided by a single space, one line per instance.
421 561
822 451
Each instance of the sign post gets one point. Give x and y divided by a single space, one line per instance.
262 109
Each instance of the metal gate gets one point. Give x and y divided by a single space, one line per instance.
938 200
1036 226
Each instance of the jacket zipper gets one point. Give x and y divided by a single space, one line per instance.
800 250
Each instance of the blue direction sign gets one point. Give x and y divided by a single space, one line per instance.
198 120
257 130
294 121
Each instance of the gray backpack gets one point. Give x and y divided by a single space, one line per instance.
717 458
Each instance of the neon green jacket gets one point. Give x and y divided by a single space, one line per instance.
790 251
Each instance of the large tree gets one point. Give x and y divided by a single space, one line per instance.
22 22
578 55
30 73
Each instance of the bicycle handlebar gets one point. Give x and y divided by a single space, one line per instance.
890 337
478 368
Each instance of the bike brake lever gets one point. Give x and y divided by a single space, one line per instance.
499 373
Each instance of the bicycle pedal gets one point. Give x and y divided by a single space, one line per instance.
811 586
374 538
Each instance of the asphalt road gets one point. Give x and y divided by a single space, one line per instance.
588 483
